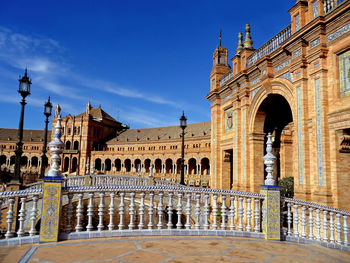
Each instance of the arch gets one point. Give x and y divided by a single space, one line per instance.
66 164
12 160
34 161
158 165
178 166
127 165
68 143
24 161
118 165
98 164
137 162
76 145
192 166
74 164
168 165
205 166
2 160
147 165
108 165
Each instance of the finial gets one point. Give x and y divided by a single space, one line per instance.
248 43
240 44
269 161
48 99
220 37
58 110
25 72
87 166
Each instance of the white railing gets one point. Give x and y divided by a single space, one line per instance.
315 222
330 5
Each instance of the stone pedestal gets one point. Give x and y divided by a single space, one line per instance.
271 221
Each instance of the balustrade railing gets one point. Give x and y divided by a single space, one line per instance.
330 5
315 222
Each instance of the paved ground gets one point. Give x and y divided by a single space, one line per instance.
172 250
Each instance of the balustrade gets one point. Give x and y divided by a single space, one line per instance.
330 5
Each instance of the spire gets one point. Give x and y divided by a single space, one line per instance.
220 38
88 108
248 43
240 45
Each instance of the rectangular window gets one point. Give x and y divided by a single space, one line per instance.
243 62
297 22
235 68
213 84
344 74
315 9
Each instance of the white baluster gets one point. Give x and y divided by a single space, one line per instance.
256 215
311 224
232 212
142 210
331 227
33 215
121 211
111 211
170 211
101 210
69 213
198 211
22 217
345 227
240 213
338 229
249 215
179 211
206 212
223 212
325 226
214 226
132 210
289 219
318 225
150 210
296 221
79 226
90 212
160 211
188 211
303 222
9 217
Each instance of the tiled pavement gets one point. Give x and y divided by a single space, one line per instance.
172 250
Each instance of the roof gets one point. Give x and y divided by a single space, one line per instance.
98 113
163 133
28 135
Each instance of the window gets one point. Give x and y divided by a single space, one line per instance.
297 22
244 62
69 131
235 68
344 74
213 84
315 9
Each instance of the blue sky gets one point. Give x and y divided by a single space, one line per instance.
143 61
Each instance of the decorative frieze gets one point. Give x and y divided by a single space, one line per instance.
226 78
344 76
287 75
300 136
315 42
244 141
255 81
253 92
243 85
319 132
341 31
282 65
226 98
236 146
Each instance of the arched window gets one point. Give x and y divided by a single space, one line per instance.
137 163
158 165
127 164
192 166
147 165
108 165
76 145
118 165
168 166
66 164
68 145
74 164
98 164
205 166
34 161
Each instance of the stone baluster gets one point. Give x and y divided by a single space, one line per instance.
132 210
121 211
223 212
150 210
170 211
160 211
311 223
111 211
101 209
79 226
206 212
179 211
296 221
240 213
22 217
9 217
303 222
318 225
69 213
249 215
142 210
331 227
232 212
345 227
90 212
256 215
214 226
32 231
198 211
338 229
325 226
188 211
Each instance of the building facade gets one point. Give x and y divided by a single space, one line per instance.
297 87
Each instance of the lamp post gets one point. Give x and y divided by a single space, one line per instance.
183 126
24 90
47 113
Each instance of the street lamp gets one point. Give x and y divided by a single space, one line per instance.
24 90
47 113
183 125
